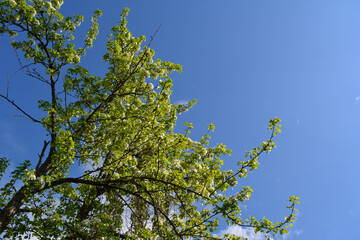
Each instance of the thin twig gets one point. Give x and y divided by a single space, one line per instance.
17 116
46 143
153 36
7 86
15 105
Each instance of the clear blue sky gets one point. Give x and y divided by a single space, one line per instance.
246 62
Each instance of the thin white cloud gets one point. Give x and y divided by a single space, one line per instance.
292 232
243 232
251 235
357 99
11 141
181 102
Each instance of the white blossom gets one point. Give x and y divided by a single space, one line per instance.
41 181
76 59
203 152
97 220
33 13
32 176
151 86
51 6
147 73
12 2
116 175
86 221
176 163
206 211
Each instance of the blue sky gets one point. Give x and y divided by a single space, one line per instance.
246 62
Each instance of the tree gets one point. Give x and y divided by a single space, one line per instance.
141 179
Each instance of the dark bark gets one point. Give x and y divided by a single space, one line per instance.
8 212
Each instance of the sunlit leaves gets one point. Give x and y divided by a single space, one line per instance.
116 168
49 34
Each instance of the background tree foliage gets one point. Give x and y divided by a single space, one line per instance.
141 179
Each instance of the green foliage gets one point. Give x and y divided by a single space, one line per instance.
139 179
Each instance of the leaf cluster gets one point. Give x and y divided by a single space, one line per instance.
112 166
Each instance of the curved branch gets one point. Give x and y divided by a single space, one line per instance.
15 105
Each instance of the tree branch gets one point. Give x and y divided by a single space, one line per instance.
46 143
15 105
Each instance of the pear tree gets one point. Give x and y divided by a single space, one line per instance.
111 165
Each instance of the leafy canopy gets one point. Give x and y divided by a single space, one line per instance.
138 179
